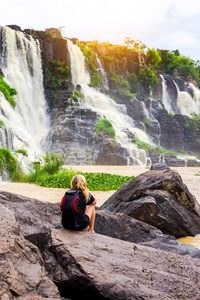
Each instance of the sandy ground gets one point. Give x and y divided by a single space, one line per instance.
55 194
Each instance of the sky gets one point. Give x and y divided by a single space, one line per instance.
159 24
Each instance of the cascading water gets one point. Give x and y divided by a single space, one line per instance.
102 73
105 106
165 96
20 62
186 104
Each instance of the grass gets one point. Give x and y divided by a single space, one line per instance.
62 179
52 175
105 126
8 92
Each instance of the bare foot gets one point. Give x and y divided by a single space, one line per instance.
87 229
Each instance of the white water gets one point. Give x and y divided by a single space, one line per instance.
21 65
105 106
101 72
165 96
186 105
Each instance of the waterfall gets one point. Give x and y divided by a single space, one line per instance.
165 96
20 62
186 104
103 74
105 106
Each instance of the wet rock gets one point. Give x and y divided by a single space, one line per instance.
161 199
99 267
23 275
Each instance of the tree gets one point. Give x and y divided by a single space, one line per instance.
152 57
133 80
137 46
148 78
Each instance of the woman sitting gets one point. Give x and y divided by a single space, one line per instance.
85 217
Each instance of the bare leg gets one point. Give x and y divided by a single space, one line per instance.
90 212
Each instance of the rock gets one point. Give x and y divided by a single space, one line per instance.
14 27
99 267
108 152
159 166
123 227
35 217
168 159
23 275
161 199
40 217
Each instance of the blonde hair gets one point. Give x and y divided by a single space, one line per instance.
78 182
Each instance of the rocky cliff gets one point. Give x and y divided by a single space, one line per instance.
160 116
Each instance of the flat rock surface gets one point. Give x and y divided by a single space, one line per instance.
91 265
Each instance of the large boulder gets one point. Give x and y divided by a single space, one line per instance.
99 267
37 218
22 275
159 198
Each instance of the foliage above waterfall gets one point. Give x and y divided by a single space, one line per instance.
174 64
8 92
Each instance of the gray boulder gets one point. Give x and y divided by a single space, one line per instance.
161 199
22 275
94 266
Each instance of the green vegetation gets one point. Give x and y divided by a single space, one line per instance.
141 145
77 94
148 78
8 92
147 147
7 161
152 57
134 84
137 46
105 126
90 55
57 73
174 64
120 83
2 124
50 174
22 151
194 122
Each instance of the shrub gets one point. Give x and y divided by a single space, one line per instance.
8 92
78 94
2 124
120 83
134 84
7 161
148 78
22 151
141 145
152 57
52 162
194 122
105 126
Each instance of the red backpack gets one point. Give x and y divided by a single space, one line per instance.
71 201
